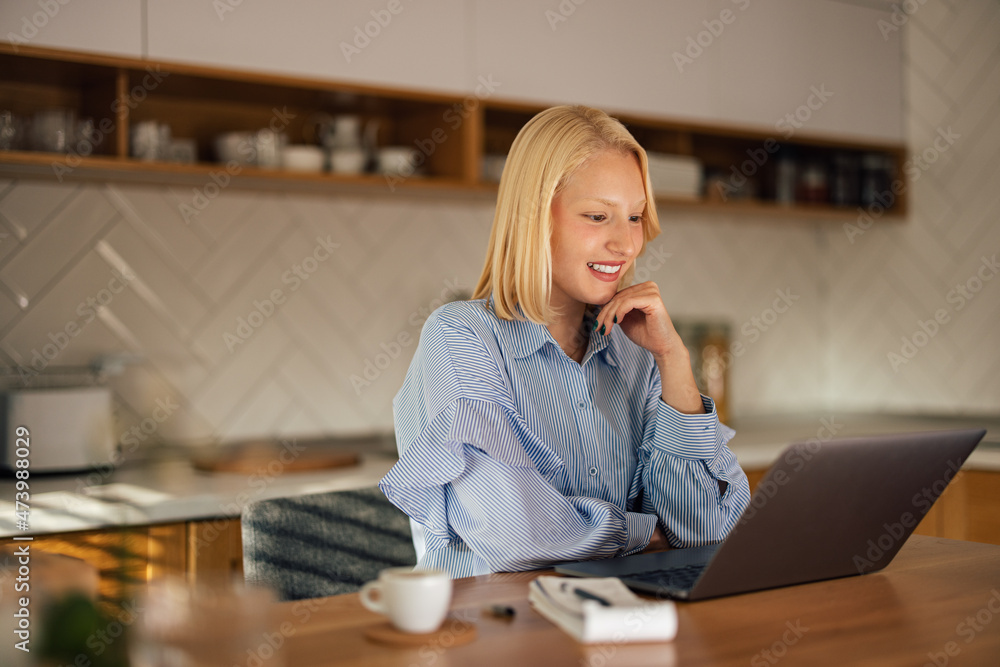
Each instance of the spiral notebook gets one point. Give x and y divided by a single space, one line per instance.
602 610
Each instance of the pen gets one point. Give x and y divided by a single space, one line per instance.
501 611
587 595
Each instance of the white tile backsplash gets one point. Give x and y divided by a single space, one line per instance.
328 359
905 272
28 204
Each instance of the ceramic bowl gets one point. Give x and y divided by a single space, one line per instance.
302 158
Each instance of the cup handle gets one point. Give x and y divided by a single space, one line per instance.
368 601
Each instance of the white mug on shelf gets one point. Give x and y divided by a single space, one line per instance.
150 140
398 160
416 601
348 160
270 147
52 130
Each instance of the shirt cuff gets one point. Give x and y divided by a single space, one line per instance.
699 437
638 532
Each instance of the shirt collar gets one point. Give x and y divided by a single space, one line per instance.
520 338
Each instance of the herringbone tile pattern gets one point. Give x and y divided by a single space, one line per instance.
888 352
253 318
288 314
273 315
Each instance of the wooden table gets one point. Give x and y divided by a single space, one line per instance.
937 602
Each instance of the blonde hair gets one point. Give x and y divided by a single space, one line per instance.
545 154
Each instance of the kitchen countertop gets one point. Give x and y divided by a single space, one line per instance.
760 440
162 486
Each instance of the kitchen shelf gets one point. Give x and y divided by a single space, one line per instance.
721 148
103 168
456 132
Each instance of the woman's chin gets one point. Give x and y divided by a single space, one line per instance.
601 299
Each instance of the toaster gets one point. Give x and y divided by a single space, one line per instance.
68 429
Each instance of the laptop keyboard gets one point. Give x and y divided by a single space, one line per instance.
681 578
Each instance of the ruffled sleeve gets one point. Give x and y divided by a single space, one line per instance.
456 393
473 477
436 457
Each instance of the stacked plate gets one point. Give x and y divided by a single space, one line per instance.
675 175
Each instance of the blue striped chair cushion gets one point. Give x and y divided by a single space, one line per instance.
325 543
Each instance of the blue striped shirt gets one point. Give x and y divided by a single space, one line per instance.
513 456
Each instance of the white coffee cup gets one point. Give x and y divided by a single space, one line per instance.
348 160
415 601
397 160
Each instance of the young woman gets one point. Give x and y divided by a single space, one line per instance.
555 417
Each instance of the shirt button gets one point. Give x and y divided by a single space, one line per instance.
593 471
581 405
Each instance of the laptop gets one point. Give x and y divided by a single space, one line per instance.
824 510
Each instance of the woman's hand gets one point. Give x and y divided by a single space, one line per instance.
640 312
658 541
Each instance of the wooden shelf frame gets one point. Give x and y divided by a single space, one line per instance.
452 132
723 147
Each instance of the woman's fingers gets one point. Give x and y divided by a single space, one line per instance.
644 297
639 310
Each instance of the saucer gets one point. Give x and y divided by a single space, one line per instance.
453 632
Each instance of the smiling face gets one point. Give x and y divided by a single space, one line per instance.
597 230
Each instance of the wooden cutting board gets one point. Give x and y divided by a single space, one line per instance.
251 457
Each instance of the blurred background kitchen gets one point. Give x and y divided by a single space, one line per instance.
223 224
170 283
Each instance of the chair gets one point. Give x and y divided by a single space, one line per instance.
325 543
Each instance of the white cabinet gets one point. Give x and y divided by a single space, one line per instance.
827 63
106 26
400 43
742 62
616 56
